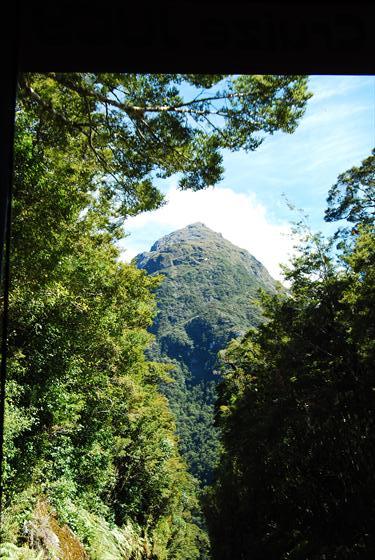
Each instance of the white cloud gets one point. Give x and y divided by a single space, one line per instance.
328 115
327 87
238 216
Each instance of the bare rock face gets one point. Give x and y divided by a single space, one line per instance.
207 297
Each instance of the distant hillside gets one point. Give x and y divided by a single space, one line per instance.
207 297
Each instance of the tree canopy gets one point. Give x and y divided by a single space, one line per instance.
139 127
296 408
352 198
87 433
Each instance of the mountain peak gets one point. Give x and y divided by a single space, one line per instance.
197 231
197 225
200 226
197 245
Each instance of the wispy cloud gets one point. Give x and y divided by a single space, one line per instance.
328 87
336 133
328 115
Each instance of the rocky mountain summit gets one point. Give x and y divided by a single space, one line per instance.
207 297
204 273
196 244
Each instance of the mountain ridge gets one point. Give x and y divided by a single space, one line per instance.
207 297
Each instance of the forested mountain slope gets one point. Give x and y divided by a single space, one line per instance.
207 297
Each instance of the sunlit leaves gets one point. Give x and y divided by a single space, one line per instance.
135 127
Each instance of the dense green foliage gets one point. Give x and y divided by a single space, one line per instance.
85 422
92 463
207 297
353 196
296 408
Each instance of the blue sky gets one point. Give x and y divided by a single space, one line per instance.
247 206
